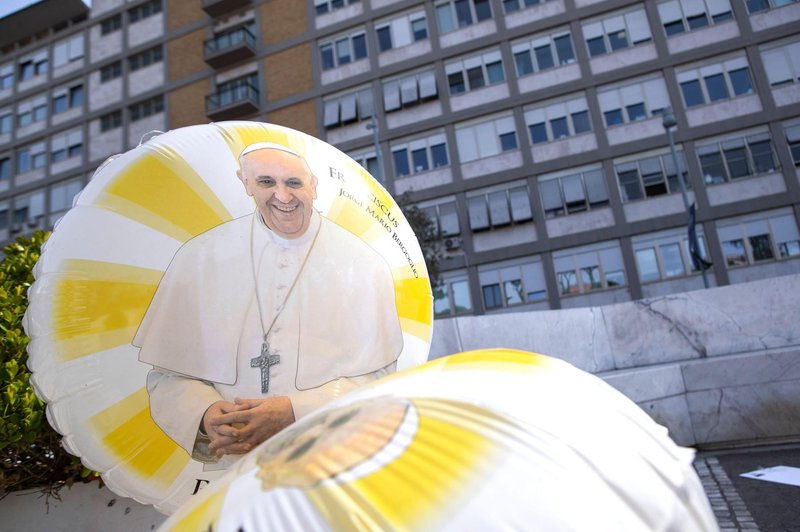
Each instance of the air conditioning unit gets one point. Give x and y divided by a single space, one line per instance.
452 243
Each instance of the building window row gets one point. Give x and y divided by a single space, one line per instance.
420 155
401 31
715 82
616 32
679 16
543 52
499 208
410 90
572 193
146 58
456 14
144 11
326 6
474 72
343 50
558 120
755 6
735 158
756 238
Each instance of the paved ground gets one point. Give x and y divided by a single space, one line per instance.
747 504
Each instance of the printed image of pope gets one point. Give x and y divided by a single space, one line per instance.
261 320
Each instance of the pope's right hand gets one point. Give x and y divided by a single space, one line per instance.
213 424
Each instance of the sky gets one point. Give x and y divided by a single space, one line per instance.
10 6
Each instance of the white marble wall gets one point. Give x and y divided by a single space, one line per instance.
715 366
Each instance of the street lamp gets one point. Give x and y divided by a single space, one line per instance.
373 125
669 122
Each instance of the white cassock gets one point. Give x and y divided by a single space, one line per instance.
336 329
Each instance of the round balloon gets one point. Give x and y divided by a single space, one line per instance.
102 265
487 440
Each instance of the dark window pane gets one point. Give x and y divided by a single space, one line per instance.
439 154
737 162
551 198
360 46
483 10
495 72
697 21
692 94
713 168
567 283
580 121
722 17
508 141
590 276
560 128
762 249
463 13
401 163
420 29
740 79
544 57
631 188
509 6
763 159
597 46
564 50
456 82
491 296
715 85
618 39
673 28
475 77
734 252
326 53
538 133
384 39
524 63
420 159
754 6
613 117
636 112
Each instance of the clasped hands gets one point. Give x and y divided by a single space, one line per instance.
235 428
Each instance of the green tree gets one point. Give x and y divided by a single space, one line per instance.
30 450
426 233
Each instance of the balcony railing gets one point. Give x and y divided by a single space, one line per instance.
229 48
215 8
233 102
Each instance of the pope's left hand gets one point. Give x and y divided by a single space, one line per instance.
243 429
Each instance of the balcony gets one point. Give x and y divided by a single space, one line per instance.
229 48
231 103
215 8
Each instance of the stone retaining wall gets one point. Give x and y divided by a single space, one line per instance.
718 367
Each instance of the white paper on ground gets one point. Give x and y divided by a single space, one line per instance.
779 474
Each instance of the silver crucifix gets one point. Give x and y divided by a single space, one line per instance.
265 361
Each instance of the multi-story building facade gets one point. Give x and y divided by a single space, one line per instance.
529 130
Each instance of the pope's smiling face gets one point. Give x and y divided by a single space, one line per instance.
283 188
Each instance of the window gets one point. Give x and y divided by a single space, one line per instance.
112 71
235 90
589 268
444 216
67 98
543 52
499 207
61 195
31 157
110 25
558 120
678 16
457 14
31 111
6 76
419 155
782 64
665 255
793 140
719 81
616 32
576 192
723 161
754 6
6 121
343 50
67 51
639 100
110 121
327 6
409 90
66 145
347 108
145 58
146 108
28 209
510 6
474 72
34 65
144 11
485 139
231 37
401 31
649 177
513 284
759 237
451 297
5 168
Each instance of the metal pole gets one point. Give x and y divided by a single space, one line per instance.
373 125
669 122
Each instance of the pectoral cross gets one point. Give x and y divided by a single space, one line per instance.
265 361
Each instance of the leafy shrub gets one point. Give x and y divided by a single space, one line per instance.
30 450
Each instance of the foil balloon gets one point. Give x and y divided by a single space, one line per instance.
486 440
102 265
